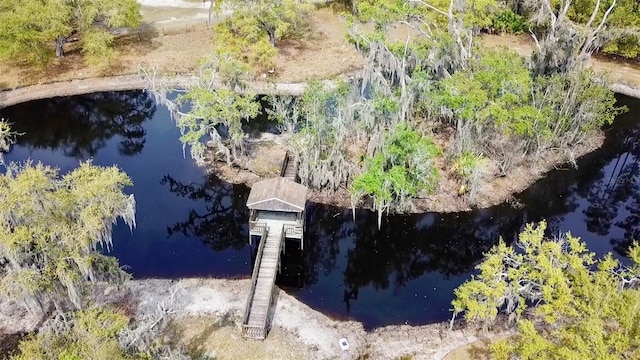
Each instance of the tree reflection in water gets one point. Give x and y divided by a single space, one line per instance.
404 249
614 198
223 223
81 127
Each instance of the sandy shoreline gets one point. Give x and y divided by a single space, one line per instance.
210 310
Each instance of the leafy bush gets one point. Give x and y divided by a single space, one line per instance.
627 46
508 22
89 334
466 164
471 168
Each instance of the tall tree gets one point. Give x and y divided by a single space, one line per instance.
569 305
30 26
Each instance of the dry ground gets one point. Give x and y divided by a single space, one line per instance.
206 315
175 39
209 312
175 46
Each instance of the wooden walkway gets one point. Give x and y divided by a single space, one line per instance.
289 168
256 314
276 212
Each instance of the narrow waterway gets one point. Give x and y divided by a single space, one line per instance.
190 224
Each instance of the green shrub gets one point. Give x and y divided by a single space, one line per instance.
508 22
466 164
626 46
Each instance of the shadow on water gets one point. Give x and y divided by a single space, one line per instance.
80 128
191 224
223 223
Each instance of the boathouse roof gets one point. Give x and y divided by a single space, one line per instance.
277 194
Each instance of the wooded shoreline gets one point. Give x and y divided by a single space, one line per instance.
19 95
514 183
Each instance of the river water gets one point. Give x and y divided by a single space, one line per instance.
190 224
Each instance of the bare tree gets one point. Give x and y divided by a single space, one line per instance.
565 45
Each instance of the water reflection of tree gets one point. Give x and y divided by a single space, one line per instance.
631 226
323 231
406 248
616 191
81 125
223 222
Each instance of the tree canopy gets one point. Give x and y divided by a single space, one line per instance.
569 305
30 27
51 227
252 31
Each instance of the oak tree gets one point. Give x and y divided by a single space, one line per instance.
252 31
30 27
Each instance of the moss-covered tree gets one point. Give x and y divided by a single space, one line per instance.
51 227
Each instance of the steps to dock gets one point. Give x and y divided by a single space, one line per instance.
289 168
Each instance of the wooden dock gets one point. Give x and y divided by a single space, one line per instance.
276 213
262 282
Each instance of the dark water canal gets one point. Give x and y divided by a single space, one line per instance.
190 224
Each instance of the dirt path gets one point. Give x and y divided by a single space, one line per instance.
623 73
167 45
122 83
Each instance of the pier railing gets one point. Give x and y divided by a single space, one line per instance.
256 227
273 287
248 330
292 231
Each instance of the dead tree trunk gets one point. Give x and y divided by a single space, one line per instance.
60 41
